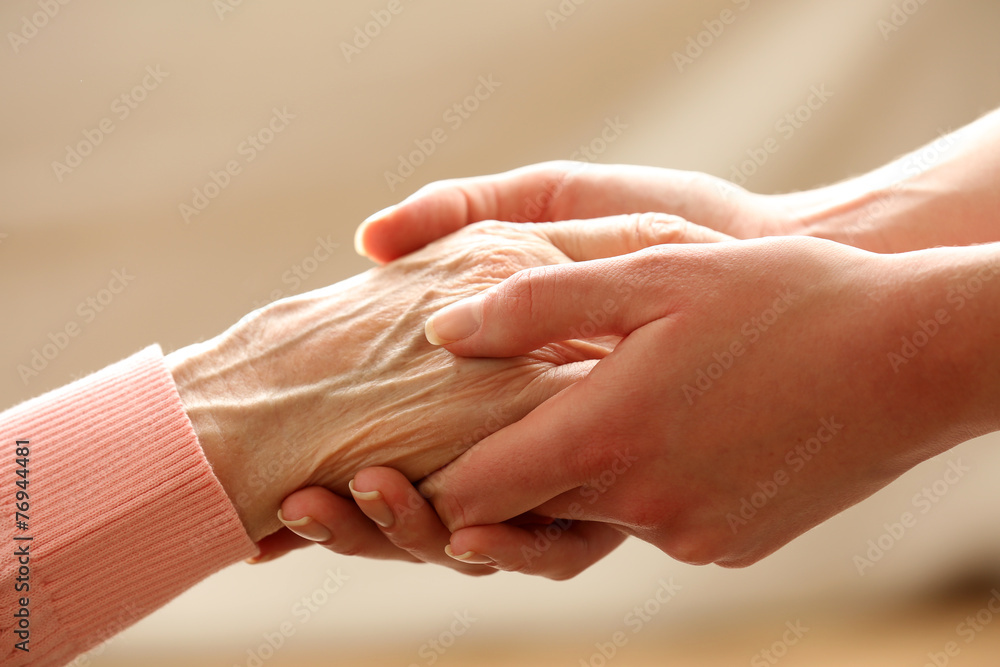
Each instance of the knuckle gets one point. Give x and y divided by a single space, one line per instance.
487 228
434 187
406 540
518 292
554 183
451 511
526 293
698 548
649 264
651 229
494 250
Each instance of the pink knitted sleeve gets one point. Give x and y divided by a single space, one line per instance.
122 512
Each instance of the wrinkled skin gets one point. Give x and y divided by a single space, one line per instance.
310 389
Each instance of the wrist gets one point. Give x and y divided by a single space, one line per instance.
945 347
216 403
863 212
942 194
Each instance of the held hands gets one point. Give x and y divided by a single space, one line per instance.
311 389
545 192
746 368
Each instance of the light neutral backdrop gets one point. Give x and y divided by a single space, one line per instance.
225 68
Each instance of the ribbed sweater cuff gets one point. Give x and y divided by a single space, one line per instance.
125 510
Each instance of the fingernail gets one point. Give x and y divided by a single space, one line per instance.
307 527
469 557
374 506
254 560
358 245
455 322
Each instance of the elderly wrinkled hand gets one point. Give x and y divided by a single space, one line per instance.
310 389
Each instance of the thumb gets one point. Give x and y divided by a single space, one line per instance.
446 206
521 466
553 303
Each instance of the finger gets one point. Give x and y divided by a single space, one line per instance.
548 461
622 234
406 518
519 452
560 550
554 303
320 516
524 465
277 545
545 192
440 208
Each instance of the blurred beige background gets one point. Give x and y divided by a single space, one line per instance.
200 78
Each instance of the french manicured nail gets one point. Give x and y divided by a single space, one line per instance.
374 506
469 557
455 322
359 234
307 527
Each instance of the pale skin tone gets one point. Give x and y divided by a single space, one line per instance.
308 390
849 308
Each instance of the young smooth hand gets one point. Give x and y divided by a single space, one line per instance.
760 387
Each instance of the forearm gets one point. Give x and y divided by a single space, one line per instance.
124 512
945 193
945 347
